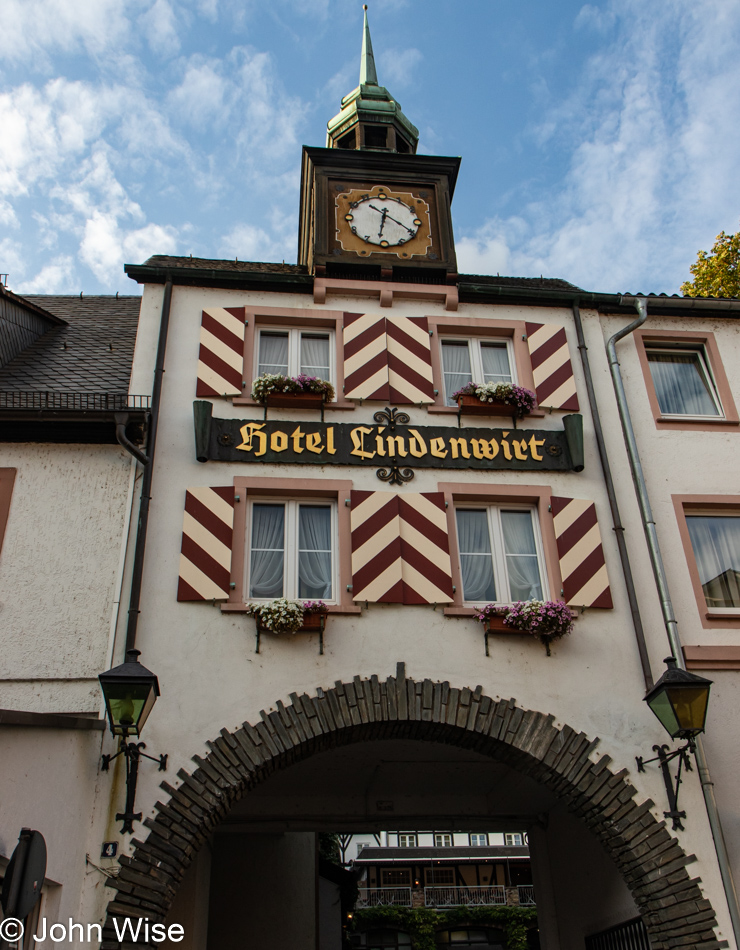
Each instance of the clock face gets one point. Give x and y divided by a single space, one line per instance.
383 220
378 220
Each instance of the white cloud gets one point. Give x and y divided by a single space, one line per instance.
57 277
396 66
647 182
159 25
34 28
106 246
202 94
251 243
594 18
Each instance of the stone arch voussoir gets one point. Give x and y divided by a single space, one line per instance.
650 859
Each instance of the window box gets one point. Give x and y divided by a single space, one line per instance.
295 400
313 623
472 406
497 625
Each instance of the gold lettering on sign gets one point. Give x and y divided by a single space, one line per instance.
279 441
438 448
506 447
249 433
330 441
459 447
533 443
379 445
396 445
484 449
417 445
296 436
313 442
358 441
520 449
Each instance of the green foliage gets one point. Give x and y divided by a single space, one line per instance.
329 847
716 274
422 924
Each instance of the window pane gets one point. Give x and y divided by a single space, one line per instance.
273 356
315 355
267 551
716 544
522 567
681 384
456 367
495 358
314 552
476 563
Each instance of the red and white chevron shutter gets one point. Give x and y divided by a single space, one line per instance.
207 537
409 360
221 357
582 565
365 357
389 532
387 359
554 382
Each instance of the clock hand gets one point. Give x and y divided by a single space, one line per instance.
400 224
382 222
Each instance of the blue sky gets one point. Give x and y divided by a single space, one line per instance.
600 141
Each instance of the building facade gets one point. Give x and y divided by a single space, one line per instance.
404 510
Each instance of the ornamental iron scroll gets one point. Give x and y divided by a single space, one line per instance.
395 475
391 417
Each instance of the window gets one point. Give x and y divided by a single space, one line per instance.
482 939
439 877
478 841
683 381
478 361
406 840
395 877
500 554
513 840
715 540
382 939
291 550
294 352
442 840
7 478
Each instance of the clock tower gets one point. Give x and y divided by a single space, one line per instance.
371 208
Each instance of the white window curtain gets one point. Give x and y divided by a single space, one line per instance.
716 544
522 564
315 355
456 367
266 568
476 561
681 384
314 552
273 357
495 359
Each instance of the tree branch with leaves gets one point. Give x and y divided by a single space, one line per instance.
716 274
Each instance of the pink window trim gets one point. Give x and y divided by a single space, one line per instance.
292 317
247 487
537 495
7 479
707 340
717 504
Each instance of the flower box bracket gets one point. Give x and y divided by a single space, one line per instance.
472 406
312 623
497 626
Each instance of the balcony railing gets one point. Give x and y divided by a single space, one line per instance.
384 897
526 895
464 896
71 401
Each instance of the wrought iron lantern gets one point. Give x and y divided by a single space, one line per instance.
679 700
130 691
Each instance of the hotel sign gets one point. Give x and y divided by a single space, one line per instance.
392 443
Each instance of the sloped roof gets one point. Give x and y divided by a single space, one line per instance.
93 352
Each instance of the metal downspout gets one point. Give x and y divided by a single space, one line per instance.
666 604
616 519
146 485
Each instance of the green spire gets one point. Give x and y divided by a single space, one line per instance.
368 74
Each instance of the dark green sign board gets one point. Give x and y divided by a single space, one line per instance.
391 443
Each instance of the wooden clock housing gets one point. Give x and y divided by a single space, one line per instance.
332 178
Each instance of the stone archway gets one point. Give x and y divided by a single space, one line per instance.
650 859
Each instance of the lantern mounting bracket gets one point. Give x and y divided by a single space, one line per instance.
132 752
665 757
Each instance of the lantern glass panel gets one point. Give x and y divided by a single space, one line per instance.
661 706
129 704
690 705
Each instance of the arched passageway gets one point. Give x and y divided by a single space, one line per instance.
649 859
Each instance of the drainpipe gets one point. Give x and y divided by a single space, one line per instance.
146 484
616 519
669 619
